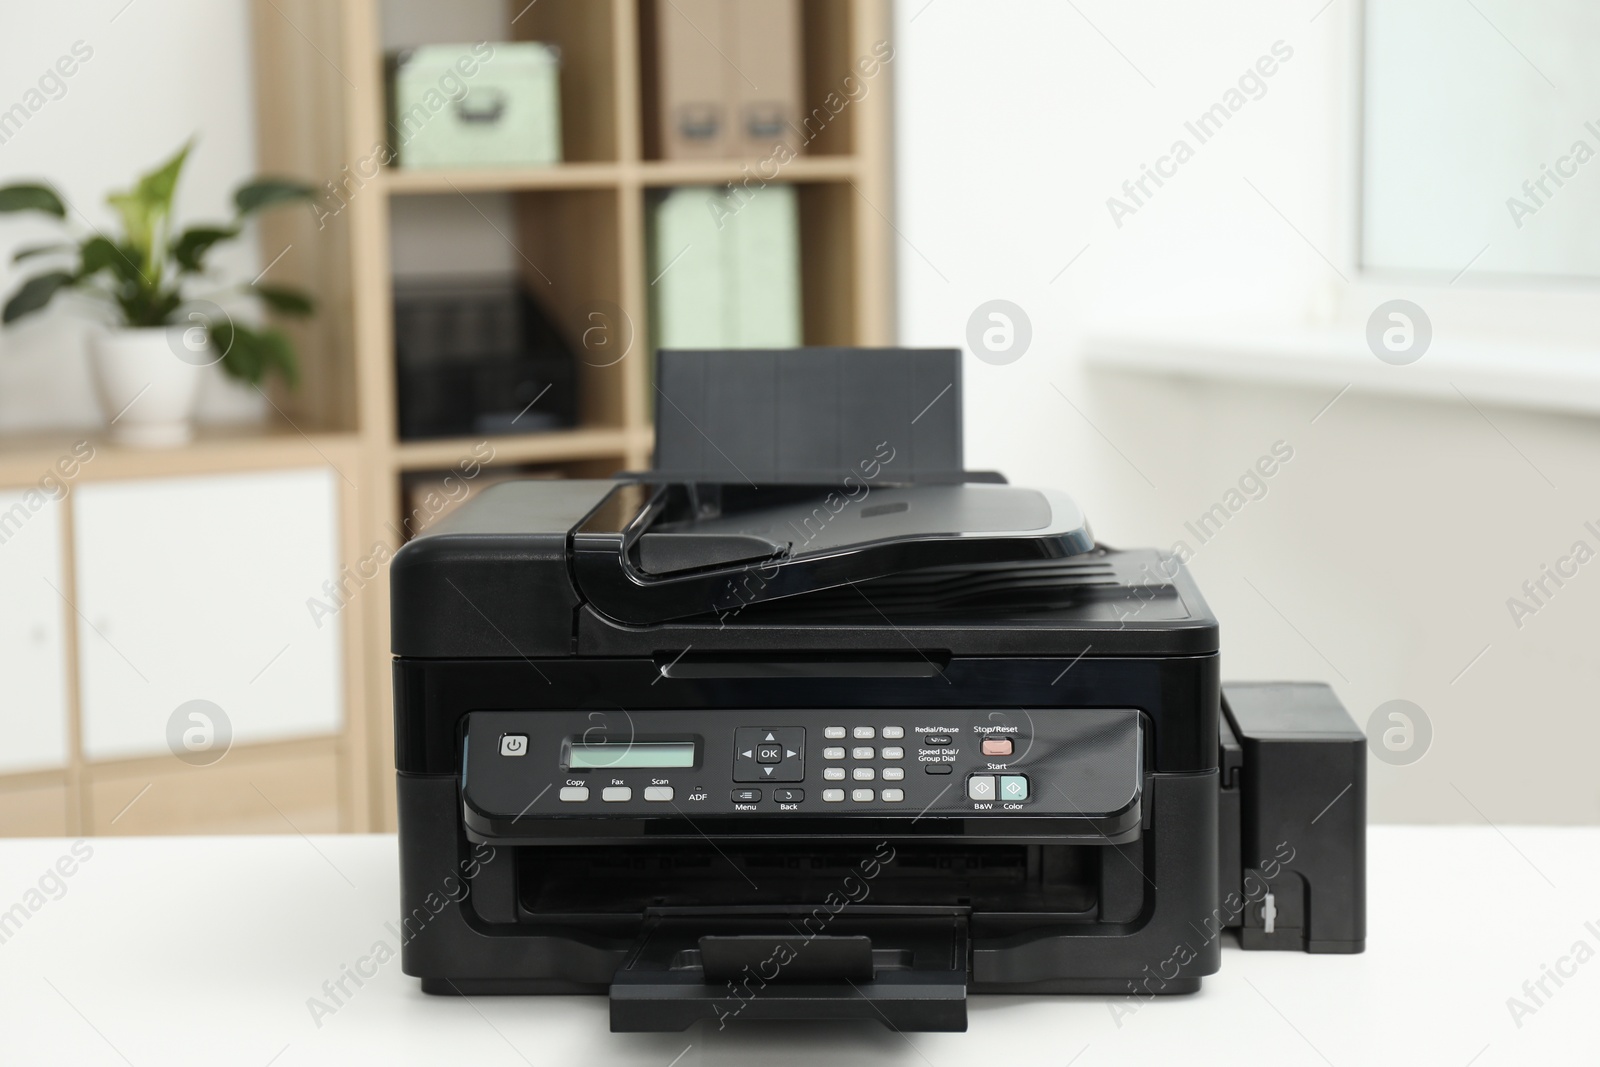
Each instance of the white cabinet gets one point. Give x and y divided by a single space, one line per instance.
203 588
33 712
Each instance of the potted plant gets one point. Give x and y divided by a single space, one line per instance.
148 366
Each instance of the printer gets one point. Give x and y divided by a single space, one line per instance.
810 722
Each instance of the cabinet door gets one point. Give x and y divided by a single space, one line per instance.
33 715
212 589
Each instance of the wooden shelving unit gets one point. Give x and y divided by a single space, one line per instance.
580 232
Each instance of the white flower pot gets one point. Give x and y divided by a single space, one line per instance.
147 390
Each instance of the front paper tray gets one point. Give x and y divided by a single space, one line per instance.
906 972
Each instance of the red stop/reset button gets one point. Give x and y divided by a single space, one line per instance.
997 746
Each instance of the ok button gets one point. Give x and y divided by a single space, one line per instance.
769 753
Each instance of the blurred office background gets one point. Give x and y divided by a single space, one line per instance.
1164 236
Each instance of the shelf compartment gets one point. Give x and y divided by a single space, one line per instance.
834 51
830 278
569 254
829 281
586 33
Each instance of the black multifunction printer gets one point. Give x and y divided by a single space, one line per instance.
809 722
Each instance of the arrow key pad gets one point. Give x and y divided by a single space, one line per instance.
769 754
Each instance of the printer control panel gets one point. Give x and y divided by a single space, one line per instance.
1055 762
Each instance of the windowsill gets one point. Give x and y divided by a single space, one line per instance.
1503 373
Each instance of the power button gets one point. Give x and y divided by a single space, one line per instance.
514 744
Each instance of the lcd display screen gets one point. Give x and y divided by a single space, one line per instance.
631 754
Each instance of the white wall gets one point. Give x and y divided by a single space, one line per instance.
160 71
1383 554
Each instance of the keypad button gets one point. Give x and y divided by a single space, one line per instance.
864 733
863 774
833 774
833 796
894 752
833 753
862 796
894 774
658 793
614 793
893 796
572 793
1014 787
997 746
788 796
863 752
833 733
980 787
894 733
745 796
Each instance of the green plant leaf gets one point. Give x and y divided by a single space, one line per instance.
35 293
237 352
192 245
100 254
40 250
32 197
277 353
148 203
250 355
157 187
268 192
284 300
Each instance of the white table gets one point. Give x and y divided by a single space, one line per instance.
206 950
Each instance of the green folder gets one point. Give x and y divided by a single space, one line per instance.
725 268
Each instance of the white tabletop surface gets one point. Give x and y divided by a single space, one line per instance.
206 951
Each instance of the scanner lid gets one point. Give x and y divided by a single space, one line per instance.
783 472
654 551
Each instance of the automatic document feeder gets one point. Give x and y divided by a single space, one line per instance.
845 744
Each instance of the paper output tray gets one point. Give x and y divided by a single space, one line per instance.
905 972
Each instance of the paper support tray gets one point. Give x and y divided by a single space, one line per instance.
904 972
